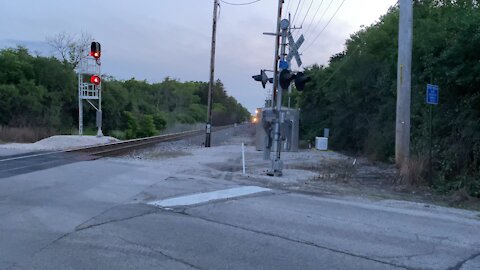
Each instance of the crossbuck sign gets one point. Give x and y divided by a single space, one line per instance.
294 46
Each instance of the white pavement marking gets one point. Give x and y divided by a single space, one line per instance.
209 196
29 156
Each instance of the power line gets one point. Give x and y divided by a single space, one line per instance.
299 1
314 16
240 4
306 14
336 11
288 6
339 67
321 17
299 12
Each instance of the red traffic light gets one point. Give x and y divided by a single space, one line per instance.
95 79
95 50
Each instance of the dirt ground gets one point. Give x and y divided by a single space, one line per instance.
307 171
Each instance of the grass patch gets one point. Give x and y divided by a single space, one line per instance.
24 134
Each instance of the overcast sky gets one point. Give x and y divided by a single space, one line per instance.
153 39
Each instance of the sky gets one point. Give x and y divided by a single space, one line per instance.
154 39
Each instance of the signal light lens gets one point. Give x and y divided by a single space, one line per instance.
95 79
95 55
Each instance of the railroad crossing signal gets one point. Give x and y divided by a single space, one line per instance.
294 46
262 77
286 77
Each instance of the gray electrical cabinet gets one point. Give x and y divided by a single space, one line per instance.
289 119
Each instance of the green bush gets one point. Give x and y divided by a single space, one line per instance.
121 135
132 125
146 127
160 121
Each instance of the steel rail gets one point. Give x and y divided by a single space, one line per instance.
115 148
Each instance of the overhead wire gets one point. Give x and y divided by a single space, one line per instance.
306 13
338 68
299 12
326 25
288 6
296 10
240 4
314 16
321 17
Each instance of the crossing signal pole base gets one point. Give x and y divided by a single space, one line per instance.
208 135
277 166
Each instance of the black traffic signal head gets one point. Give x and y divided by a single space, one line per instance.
300 80
262 78
95 50
286 77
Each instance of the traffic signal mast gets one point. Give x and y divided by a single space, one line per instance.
90 86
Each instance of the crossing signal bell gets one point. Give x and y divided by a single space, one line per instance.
262 77
286 77
95 50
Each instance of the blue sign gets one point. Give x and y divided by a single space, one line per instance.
283 64
432 94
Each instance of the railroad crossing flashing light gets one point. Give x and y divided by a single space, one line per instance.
262 77
286 77
301 80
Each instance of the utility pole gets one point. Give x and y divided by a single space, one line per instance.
277 48
290 67
212 76
405 43
277 164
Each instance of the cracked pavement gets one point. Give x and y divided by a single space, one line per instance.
95 215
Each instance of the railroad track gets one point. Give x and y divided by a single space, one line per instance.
34 161
116 148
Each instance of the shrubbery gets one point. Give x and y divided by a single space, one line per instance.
38 91
355 95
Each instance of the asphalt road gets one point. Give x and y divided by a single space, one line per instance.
107 214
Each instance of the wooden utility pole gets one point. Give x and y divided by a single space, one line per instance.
405 43
212 76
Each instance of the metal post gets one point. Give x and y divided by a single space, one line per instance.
212 76
431 145
80 106
290 67
405 40
277 164
99 112
277 45
243 157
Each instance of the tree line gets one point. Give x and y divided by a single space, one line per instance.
38 91
355 94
